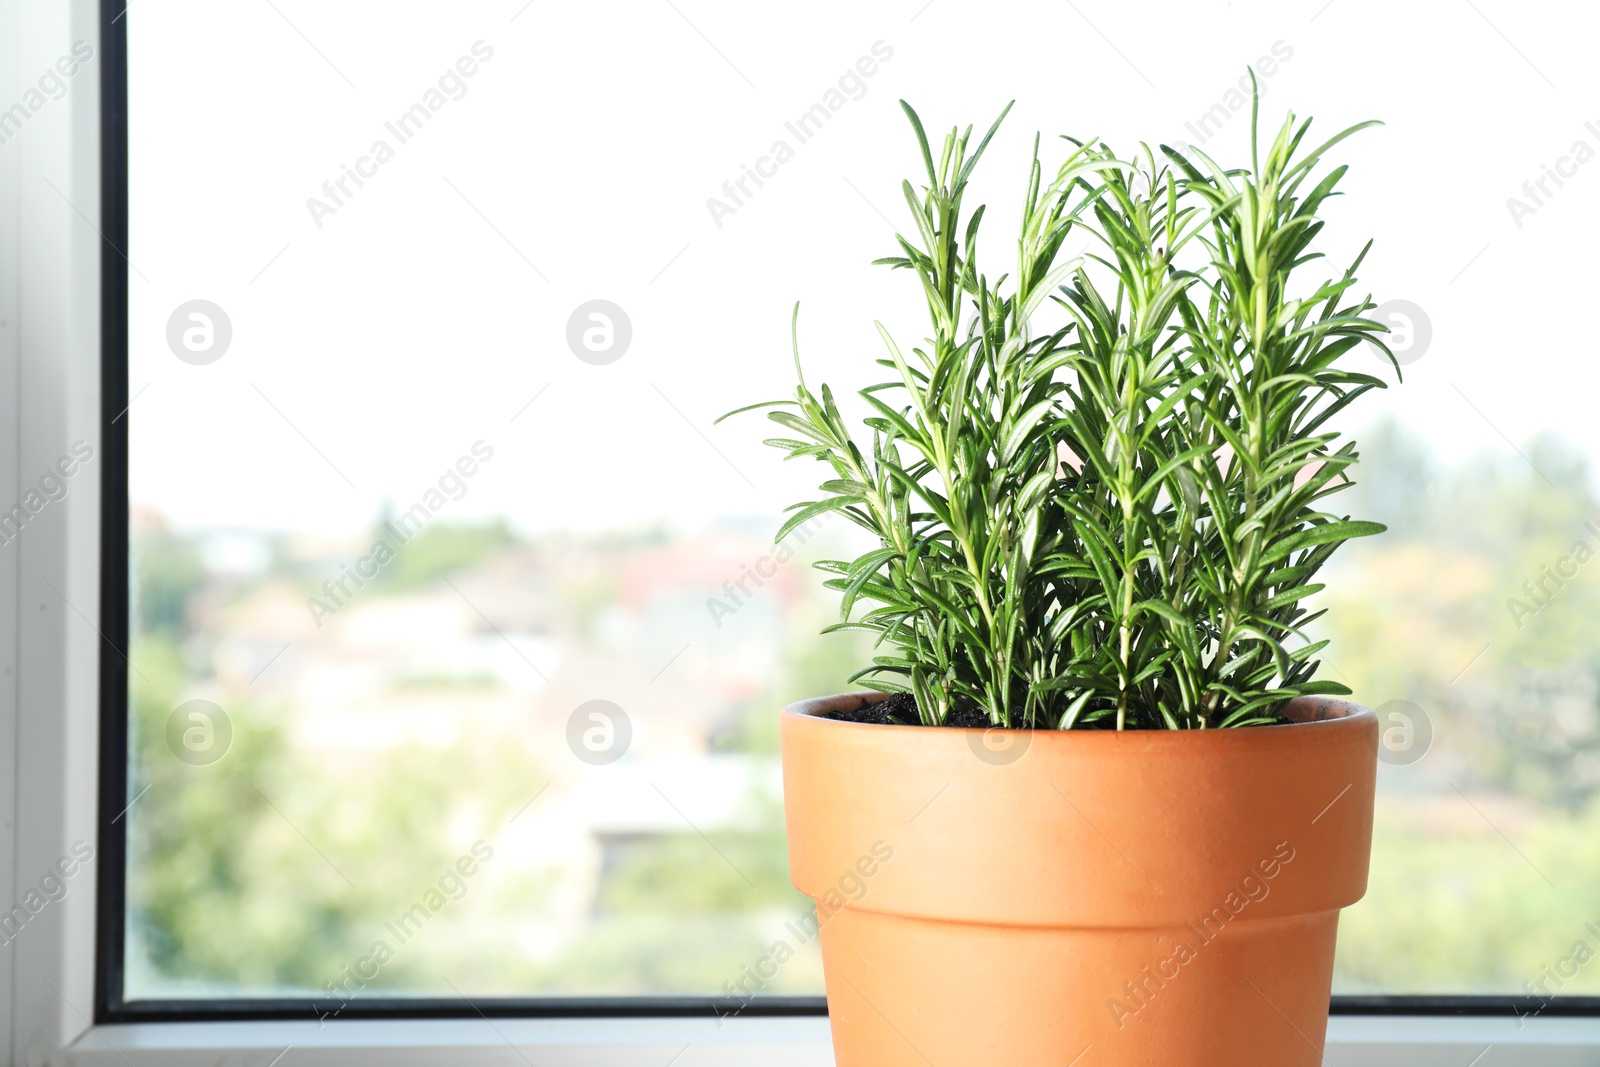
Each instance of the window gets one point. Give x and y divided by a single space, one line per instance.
457 633
444 639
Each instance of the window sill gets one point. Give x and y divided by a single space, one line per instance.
1353 1041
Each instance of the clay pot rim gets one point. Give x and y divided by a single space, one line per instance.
1313 712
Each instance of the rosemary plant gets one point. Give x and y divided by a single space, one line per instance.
1114 523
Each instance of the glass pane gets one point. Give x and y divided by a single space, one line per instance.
459 632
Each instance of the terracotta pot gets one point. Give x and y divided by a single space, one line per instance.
1084 898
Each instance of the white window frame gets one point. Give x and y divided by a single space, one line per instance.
50 251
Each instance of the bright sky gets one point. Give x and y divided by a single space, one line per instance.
370 352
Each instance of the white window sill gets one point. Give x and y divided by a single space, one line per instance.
1353 1041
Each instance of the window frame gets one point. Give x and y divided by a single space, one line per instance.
67 290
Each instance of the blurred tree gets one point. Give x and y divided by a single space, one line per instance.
1477 607
440 549
1457 612
267 872
166 571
